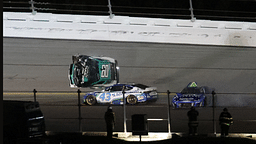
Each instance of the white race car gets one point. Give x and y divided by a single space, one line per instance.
134 93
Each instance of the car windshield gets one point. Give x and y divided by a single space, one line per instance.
141 86
118 88
192 90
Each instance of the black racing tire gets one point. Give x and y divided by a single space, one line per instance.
90 100
131 99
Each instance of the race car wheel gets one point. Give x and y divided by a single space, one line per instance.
90 100
131 99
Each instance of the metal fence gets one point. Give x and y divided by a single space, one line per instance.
107 8
169 120
213 107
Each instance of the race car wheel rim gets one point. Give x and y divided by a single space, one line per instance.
90 100
131 99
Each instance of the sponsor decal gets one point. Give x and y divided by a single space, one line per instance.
192 84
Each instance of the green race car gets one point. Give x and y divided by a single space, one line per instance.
90 71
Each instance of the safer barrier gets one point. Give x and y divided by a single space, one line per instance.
128 29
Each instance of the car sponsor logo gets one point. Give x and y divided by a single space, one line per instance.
192 84
140 97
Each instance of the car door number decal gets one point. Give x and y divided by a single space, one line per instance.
105 97
104 71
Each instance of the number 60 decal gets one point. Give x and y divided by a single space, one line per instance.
104 71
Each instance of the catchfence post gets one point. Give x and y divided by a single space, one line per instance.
32 7
34 94
110 10
79 110
124 103
213 112
191 11
169 116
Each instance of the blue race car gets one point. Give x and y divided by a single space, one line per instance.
134 93
192 95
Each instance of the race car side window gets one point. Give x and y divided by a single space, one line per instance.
117 88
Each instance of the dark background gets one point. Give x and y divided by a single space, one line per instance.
227 10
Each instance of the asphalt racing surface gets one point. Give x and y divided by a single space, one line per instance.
42 64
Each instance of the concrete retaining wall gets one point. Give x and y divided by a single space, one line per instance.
130 29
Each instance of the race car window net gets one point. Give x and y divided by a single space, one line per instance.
117 88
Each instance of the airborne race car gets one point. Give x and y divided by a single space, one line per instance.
89 71
192 95
134 93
